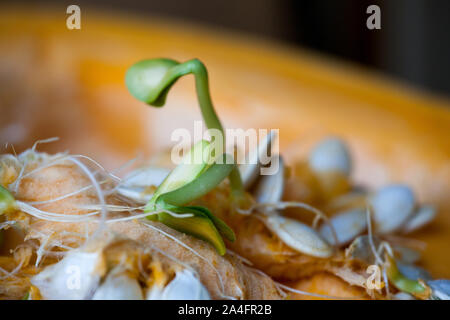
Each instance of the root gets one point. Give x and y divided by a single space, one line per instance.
22 175
111 175
11 274
101 198
54 217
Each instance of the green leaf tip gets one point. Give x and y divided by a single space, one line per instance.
195 176
200 225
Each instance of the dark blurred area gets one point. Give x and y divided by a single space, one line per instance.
413 43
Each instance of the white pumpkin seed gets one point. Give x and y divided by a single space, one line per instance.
421 217
118 286
137 194
440 289
413 272
135 185
299 236
403 296
331 155
146 176
72 278
392 206
185 286
250 171
347 224
270 188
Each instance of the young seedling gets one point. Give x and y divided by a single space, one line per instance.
150 81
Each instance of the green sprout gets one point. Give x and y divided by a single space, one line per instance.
150 81
415 287
187 182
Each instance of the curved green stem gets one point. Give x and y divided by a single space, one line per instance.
198 69
151 80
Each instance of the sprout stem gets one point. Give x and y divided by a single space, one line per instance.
198 69
150 81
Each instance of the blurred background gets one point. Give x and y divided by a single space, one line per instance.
413 44
320 56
